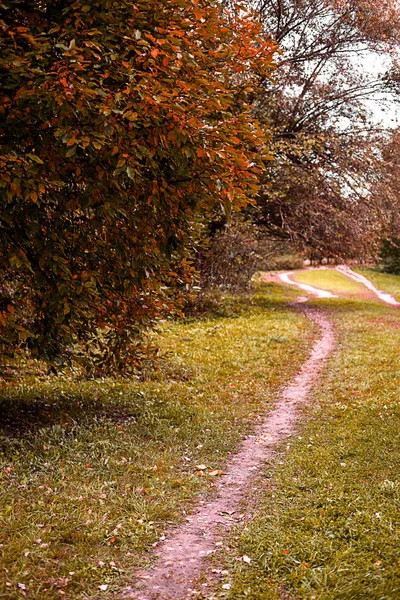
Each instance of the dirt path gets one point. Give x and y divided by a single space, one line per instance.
345 270
384 296
180 558
285 278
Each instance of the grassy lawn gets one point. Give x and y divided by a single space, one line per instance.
382 281
93 472
328 525
331 281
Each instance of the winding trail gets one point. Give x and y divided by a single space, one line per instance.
384 296
285 278
180 558
345 270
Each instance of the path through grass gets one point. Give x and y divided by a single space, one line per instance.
383 281
92 473
329 280
328 525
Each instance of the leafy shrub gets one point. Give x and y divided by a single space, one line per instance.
287 262
122 124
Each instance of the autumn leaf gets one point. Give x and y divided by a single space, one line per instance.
246 559
215 473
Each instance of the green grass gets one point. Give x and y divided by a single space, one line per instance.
328 525
331 281
93 472
382 281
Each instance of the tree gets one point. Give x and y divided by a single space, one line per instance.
121 126
318 191
386 193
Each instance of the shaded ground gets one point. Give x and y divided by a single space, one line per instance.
93 473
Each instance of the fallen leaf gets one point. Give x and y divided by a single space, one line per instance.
201 467
246 559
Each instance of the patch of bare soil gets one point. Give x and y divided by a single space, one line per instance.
180 558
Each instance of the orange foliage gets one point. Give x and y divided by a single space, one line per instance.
122 125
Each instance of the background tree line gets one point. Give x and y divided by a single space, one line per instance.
141 143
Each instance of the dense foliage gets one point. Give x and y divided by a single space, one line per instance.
390 255
232 255
121 126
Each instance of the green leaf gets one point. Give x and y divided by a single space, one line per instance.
70 152
36 159
130 172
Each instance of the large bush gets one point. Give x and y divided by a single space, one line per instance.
121 125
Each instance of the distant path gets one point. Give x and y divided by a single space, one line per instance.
180 557
345 270
285 278
384 296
